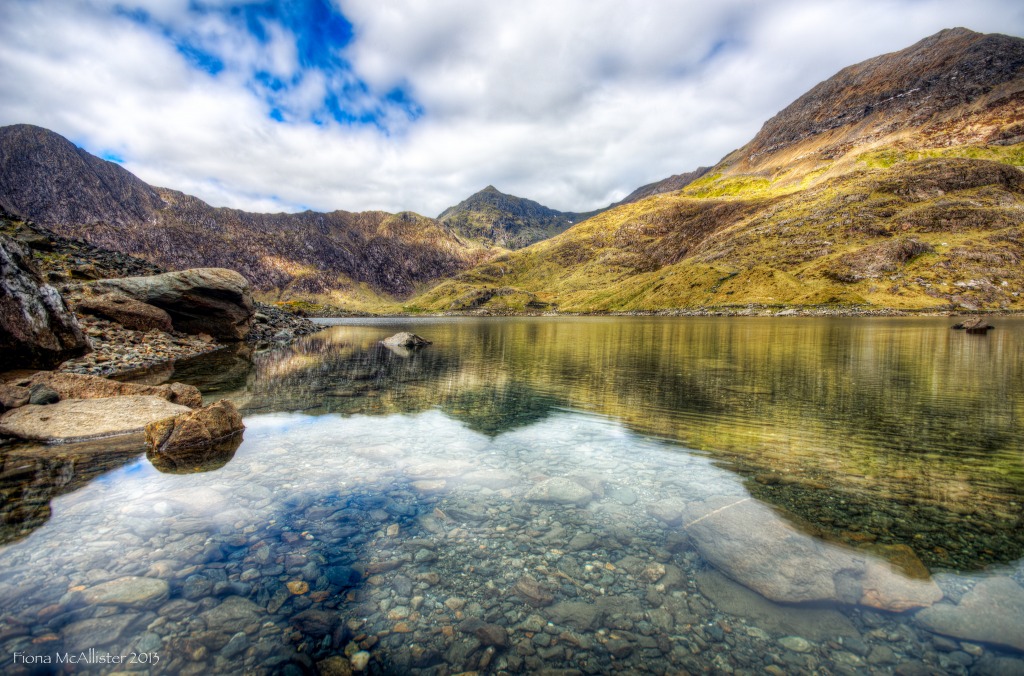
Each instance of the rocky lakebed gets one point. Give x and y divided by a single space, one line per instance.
406 544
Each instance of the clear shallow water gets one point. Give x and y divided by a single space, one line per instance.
552 493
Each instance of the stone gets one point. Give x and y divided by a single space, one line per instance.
797 644
753 545
232 615
532 592
316 623
195 428
41 395
334 666
560 491
215 301
81 419
37 330
238 643
360 660
81 386
126 311
492 634
992 612
576 614
670 510
13 396
131 592
96 632
406 340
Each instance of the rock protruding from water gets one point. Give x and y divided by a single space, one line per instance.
976 325
753 545
81 419
215 301
36 328
406 340
192 429
81 386
992 612
126 311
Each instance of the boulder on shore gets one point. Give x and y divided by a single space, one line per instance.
192 429
81 419
215 301
81 386
36 328
405 339
126 311
752 544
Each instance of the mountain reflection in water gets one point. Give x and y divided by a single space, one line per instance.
887 431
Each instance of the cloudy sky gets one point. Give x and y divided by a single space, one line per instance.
416 104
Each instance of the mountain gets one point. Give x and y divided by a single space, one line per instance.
670 184
369 256
894 184
507 221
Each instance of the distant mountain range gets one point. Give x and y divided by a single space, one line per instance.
896 183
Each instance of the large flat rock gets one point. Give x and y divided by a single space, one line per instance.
81 419
756 547
992 612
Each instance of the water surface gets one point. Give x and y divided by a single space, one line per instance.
529 493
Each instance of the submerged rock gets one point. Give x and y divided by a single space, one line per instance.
13 396
192 429
406 340
753 545
81 419
36 327
560 491
992 612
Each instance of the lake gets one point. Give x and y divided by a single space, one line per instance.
664 495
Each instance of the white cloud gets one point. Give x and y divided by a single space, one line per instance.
572 104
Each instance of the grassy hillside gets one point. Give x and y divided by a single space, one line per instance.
895 184
922 230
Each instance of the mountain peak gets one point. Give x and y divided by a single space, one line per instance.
894 91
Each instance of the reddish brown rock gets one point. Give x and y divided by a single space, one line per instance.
200 427
80 386
126 311
12 396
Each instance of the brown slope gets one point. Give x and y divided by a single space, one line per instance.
45 178
936 82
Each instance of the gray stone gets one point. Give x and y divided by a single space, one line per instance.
81 419
560 491
406 340
576 614
238 643
95 632
132 592
797 644
41 395
37 330
214 301
992 612
753 545
817 624
232 615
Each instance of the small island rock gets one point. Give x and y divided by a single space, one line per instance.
405 339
